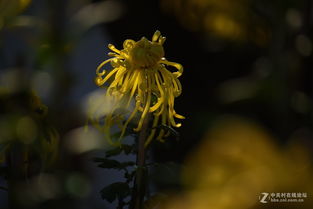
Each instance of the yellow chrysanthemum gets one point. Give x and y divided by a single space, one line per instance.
139 72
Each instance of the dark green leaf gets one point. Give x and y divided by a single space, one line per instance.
107 163
118 190
127 148
129 176
113 152
128 163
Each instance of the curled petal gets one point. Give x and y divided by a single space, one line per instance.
132 115
153 131
178 66
147 106
129 44
156 36
112 47
100 66
178 116
100 81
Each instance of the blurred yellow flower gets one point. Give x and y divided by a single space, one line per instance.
25 126
220 19
238 161
11 8
139 72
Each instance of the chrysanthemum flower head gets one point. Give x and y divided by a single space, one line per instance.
139 73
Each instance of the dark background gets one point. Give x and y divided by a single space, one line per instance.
250 59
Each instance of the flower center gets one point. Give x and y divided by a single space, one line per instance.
146 54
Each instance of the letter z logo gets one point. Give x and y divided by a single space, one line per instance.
263 197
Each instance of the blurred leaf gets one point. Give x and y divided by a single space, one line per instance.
118 190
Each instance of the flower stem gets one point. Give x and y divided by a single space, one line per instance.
139 189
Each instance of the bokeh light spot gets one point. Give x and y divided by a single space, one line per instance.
293 18
26 130
304 45
78 185
42 84
84 139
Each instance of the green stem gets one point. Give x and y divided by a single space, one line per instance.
139 182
